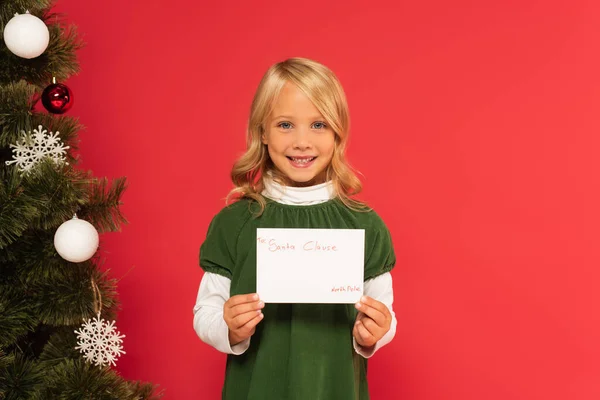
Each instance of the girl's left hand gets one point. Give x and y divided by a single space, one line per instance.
372 323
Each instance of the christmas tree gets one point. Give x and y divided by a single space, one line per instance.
51 280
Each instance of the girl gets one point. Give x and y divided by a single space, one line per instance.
293 175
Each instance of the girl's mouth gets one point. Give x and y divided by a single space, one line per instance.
301 162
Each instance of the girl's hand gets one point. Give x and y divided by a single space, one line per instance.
241 314
373 321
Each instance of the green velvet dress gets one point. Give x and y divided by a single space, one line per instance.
299 351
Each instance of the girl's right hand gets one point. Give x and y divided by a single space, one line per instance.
242 313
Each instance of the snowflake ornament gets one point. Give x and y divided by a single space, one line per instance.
99 341
31 149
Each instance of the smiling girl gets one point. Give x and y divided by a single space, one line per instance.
293 175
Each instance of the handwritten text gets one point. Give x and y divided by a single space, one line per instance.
311 245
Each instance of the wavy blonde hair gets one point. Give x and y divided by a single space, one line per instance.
324 90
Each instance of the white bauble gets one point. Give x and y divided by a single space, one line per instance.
76 240
26 35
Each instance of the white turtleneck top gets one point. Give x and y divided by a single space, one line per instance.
214 289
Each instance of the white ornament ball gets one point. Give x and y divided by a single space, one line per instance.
26 35
76 240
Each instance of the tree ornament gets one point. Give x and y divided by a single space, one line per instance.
57 97
31 149
98 339
76 240
26 35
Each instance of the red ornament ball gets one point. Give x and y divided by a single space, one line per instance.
57 98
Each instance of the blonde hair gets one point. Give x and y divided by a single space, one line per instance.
324 90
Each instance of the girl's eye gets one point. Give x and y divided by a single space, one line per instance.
316 125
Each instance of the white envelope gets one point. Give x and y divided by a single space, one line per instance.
310 265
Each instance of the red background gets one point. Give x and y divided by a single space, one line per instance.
475 124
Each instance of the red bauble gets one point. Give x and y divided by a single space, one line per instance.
57 98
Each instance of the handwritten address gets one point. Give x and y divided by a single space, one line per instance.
311 245
348 288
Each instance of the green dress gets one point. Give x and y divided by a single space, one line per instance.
299 351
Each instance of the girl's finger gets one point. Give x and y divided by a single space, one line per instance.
372 328
375 304
250 325
364 334
241 299
245 307
356 334
242 319
373 313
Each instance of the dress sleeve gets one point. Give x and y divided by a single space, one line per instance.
217 252
379 249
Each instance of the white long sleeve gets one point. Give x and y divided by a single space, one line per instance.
214 292
209 323
379 288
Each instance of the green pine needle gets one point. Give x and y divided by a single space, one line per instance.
76 379
60 346
70 300
16 315
20 378
16 102
102 208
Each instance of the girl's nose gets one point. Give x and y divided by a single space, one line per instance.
301 139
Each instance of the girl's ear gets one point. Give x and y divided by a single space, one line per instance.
263 138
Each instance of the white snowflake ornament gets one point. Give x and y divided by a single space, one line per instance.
31 149
99 341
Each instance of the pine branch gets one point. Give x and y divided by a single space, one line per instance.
5 361
49 196
66 126
20 378
61 53
70 379
16 316
16 102
18 208
62 191
108 290
102 208
76 379
70 300
60 346
38 261
144 391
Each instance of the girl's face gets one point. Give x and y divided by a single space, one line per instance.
299 141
